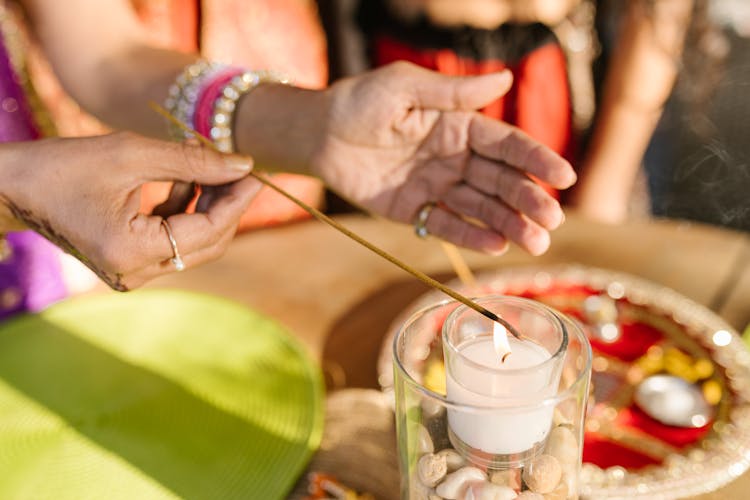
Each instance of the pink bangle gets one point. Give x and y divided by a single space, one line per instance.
207 96
222 121
183 93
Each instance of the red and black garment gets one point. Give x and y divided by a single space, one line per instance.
539 102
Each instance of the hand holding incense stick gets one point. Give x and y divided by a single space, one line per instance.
324 218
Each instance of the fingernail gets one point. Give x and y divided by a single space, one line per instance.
497 252
507 76
238 163
573 177
497 247
560 219
541 245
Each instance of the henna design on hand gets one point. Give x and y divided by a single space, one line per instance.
43 227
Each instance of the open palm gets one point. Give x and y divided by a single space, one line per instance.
417 138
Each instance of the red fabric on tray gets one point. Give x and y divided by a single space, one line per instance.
604 453
635 340
679 437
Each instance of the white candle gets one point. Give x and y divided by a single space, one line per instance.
476 376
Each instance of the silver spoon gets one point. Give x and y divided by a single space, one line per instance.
673 401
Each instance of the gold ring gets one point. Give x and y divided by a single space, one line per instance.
176 261
420 224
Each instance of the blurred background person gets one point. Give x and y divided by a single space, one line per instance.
479 36
698 163
642 43
551 49
604 70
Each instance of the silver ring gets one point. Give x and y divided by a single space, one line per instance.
420 224
176 261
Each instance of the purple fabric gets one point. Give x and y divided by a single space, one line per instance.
16 120
30 278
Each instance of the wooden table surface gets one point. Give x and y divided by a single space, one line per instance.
339 298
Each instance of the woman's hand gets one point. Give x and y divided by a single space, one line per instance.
402 136
84 196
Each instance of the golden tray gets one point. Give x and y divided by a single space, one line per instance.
647 459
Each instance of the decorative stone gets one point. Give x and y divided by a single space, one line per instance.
563 445
453 459
418 491
431 469
431 409
559 418
565 412
559 493
482 490
455 483
543 474
529 495
510 478
424 441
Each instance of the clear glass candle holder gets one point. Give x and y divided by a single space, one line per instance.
472 426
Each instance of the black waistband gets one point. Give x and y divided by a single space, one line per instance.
508 43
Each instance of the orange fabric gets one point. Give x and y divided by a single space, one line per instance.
544 101
173 23
282 35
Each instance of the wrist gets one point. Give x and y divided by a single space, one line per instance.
282 127
10 182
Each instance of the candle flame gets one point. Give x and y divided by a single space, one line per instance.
500 339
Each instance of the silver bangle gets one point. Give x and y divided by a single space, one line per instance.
222 121
184 92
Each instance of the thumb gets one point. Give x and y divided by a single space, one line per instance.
173 161
452 93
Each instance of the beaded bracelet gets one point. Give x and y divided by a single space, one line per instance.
205 95
204 106
184 93
222 119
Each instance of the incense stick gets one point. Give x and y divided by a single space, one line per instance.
327 220
463 271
